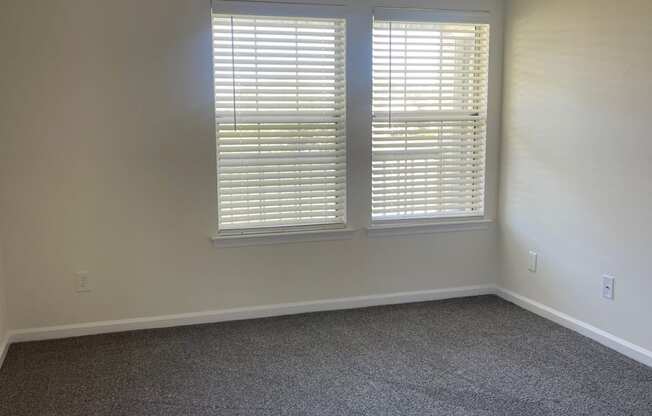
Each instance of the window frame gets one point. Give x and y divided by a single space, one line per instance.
427 224
359 16
301 232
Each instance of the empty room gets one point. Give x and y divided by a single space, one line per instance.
325 207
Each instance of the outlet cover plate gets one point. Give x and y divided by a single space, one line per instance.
608 287
82 282
532 261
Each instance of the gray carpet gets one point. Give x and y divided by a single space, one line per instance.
472 356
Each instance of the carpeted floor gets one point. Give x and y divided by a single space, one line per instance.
472 356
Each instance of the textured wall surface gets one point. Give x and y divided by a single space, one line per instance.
576 155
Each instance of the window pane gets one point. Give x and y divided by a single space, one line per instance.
429 125
280 107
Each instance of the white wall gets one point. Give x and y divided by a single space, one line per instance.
576 158
107 165
4 322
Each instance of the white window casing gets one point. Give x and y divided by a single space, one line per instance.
429 129
280 112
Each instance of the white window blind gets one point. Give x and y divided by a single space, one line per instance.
280 107
429 121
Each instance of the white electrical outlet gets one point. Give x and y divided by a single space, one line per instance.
608 287
82 281
532 261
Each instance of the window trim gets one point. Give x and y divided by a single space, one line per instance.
299 10
359 18
381 227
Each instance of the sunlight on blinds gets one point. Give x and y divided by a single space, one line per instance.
280 108
429 119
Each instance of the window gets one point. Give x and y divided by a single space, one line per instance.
280 108
429 119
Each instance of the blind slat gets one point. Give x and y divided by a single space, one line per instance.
429 121
280 109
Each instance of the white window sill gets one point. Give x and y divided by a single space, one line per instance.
409 228
242 240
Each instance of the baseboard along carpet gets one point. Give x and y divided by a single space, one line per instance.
470 356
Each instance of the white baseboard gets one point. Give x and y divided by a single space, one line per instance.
91 328
4 348
633 351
